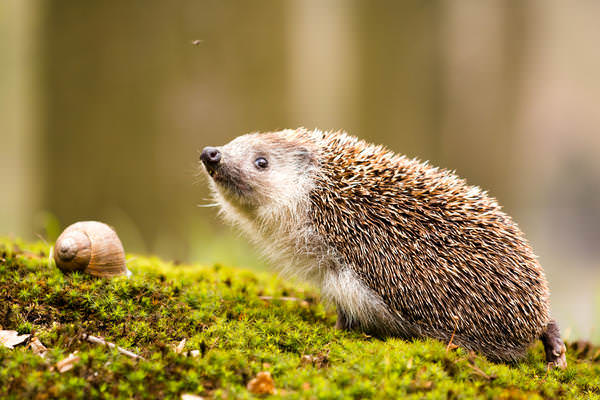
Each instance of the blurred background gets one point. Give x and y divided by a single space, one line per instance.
104 107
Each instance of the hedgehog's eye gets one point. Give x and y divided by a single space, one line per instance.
261 163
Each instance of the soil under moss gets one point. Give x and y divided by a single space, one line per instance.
235 323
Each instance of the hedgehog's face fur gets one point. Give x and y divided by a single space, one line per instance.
260 176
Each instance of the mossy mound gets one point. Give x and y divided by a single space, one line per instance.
236 324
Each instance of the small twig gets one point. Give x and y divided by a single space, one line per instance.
480 372
97 340
450 345
41 238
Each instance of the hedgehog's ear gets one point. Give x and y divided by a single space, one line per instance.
305 156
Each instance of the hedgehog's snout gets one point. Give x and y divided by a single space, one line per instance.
210 157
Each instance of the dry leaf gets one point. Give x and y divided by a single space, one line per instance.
262 384
67 363
307 359
195 353
37 347
305 386
187 396
320 360
12 338
180 346
420 386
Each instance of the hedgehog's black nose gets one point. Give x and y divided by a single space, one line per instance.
210 156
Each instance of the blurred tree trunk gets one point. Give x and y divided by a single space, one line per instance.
398 75
322 64
19 144
482 46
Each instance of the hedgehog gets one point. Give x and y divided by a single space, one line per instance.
399 247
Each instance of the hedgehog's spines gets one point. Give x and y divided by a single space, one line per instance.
401 247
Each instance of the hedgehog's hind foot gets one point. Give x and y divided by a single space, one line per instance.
556 352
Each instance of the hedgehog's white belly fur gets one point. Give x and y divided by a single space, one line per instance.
298 252
339 286
360 304
310 260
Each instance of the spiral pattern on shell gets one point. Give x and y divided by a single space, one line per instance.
92 247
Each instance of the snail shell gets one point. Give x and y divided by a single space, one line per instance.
91 247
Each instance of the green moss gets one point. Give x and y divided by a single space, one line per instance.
218 310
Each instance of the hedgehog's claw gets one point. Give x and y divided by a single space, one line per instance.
556 351
559 358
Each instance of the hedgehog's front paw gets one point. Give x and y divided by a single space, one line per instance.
343 322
